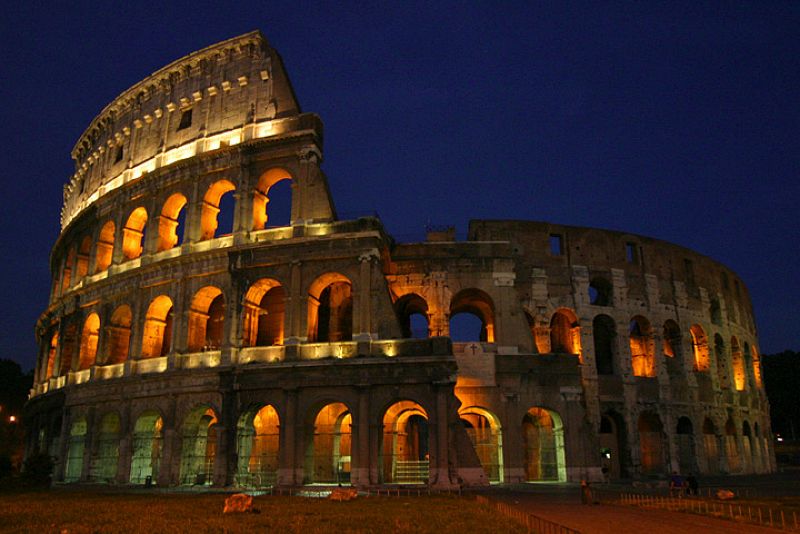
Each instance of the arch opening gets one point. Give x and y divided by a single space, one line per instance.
264 314
82 266
685 433
206 320
146 447
483 429
700 348
171 223
90 336
475 303
412 313
133 234
216 217
543 434
565 333
104 248
328 459
600 291
612 445
405 457
605 333
118 335
258 443
272 199
330 309
199 449
157 336
643 358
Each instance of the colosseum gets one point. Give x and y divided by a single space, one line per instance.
213 322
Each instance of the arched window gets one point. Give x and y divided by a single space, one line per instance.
672 347
104 249
206 320
722 361
270 185
643 359
739 369
210 216
699 348
118 335
412 312
89 338
330 309
169 232
264 313
605 333
133 234
600 291
565 333
157 337
66 273
84 250
478 304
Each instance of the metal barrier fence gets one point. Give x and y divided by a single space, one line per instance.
533 523
740 512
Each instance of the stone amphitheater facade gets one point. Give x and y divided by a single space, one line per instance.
317 350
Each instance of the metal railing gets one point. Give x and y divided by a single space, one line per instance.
533 523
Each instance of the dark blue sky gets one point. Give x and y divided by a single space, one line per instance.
674 120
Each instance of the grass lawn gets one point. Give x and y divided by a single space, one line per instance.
94 511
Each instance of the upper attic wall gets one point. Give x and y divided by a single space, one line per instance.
218 96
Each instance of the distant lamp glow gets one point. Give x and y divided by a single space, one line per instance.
12 419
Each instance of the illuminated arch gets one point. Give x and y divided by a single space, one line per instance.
739 368
330 309
643 358
328 451
105 454
264 313
206 320
261 196
89 338
672 347
756 367
408 309
405 453
51 356
199 446
543 434
479 304
133 234
565 332
258 446
146 447
209 216
169 220
73 464
104 248
82 267
700 348
485 433
118 335
157 336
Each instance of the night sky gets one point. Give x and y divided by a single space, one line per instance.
679 121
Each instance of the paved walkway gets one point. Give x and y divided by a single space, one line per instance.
562 504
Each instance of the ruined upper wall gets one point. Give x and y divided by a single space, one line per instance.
222 95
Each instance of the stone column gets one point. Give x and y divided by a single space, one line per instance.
90 444
126 439
287 468
294 307
361 450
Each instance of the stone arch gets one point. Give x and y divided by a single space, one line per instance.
82 265
52 349
651 437
209 216
540 331
600 291
756 367
90 334
105 455
169 222
700 348
133 234
68 345
643 358
684 431
261 195
258 447
66 271
711 445
479 304
206 320
264 313
157 335
73 464
543 436
721 361
104 248
328 448
146 447
737 362
613 452
330 309
604 332
486 434
672 347
748 452
405 451
409 308
199 446
732 447
118 335
565 332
